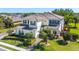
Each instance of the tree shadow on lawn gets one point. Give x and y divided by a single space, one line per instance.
22 45
73 27
62 42
40 47
17 39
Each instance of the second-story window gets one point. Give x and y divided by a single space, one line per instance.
32 22
25 21
54 22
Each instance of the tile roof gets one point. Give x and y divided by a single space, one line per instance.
44 16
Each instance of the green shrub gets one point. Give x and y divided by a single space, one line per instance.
27 42
10 32
29 35
74 37
66 36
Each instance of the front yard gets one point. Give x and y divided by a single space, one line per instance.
9 48
4 30
16 41
74 30
54 45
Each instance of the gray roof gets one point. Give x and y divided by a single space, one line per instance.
44 16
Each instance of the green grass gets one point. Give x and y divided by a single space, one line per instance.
54 46
12 49
4 30
72 25
74 30
15 41
12 42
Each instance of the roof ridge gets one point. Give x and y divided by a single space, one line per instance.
55 15
43 15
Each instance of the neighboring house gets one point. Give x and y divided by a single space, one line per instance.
13 16
51 20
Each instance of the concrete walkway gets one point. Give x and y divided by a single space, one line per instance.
4 49
12 46
2 35
38 40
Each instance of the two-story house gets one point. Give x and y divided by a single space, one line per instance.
51 20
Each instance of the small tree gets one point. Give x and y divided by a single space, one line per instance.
46 34
1 23
75 21
74 37
8 22
29 37
66 36
9 32
27 42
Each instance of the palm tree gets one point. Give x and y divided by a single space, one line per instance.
75 21
45 34
45 37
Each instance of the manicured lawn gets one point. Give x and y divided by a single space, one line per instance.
4 30
54 46
74 30
13 40
12 49
72 25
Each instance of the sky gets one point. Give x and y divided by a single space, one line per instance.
28 10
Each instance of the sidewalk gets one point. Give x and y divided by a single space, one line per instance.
4 49
12 46
2 35
21 49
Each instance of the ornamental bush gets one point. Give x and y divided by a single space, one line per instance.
74 37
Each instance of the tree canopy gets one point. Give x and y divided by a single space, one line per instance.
6 22
63 12
67 13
